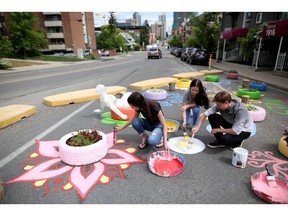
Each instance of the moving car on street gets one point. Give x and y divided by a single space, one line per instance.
154 52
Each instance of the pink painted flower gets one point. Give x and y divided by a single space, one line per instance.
82 178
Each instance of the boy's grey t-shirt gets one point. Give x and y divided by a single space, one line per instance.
237 115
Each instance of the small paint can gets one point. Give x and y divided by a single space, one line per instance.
240 157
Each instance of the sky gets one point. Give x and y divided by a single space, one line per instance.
151 17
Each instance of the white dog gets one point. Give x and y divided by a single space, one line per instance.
111 101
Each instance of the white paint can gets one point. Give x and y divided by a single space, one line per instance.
240 157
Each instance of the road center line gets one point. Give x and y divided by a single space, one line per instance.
27 145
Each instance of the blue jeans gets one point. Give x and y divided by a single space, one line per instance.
141 125
196 113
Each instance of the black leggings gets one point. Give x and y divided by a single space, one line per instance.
217 121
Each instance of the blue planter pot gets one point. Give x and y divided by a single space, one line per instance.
257 86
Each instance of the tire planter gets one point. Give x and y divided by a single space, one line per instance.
258 86
283 147
126 111
183 83
258 115
232 75
253 93
82 155
155 94
212 78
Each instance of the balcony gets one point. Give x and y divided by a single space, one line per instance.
52 23
55 35
57 47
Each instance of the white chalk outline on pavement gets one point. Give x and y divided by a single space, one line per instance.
27 145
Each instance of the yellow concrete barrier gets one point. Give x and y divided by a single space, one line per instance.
80 96
189 75
14 113
211 72
152 83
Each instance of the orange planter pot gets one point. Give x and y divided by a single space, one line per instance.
126 111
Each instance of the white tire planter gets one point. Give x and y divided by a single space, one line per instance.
258 115
82 155
155 94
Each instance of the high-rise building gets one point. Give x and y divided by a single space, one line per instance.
68 31
179 18
162 19
137 19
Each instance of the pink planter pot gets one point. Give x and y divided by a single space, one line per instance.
258 115
82 155
155 94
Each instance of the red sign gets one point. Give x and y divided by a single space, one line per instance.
278 29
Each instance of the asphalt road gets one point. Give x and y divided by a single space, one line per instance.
207 178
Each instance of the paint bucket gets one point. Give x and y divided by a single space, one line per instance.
239 158
165 164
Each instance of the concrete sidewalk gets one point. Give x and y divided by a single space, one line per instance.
248 72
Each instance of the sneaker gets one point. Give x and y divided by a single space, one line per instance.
215 145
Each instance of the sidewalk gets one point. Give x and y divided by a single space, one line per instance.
248 72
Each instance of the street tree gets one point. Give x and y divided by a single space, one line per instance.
106 40
205 31
144 33
22 34
175 41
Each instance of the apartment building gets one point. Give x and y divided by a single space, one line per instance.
271 52
68 31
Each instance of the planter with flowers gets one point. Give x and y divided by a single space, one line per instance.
83 147
283 144
155 94
257 113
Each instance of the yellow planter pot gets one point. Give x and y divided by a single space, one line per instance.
283 147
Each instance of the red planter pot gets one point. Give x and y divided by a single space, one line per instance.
126 111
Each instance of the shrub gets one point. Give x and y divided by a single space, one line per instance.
4 64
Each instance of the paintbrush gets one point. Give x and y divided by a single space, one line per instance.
270 178
185 134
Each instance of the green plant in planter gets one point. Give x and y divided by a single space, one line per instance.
84 138
156 90
250 107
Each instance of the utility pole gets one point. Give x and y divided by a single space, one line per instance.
87 34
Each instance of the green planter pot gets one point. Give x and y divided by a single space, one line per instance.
212 78
254 94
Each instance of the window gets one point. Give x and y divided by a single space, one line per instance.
259 18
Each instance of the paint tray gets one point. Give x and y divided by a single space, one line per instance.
165 164
262 189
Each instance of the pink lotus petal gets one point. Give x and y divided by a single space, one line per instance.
48 148
124 157
39 172
84 184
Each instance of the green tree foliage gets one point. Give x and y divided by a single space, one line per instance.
250 42
175 41
22 35
144 33
6 48
206 31
106 40
110 37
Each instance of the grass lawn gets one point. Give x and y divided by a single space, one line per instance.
16 63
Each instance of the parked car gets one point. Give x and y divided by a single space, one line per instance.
184 55
154 52
179 52
105 53
199 56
